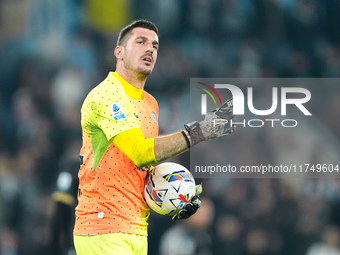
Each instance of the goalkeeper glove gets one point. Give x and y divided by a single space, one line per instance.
215 124
190 208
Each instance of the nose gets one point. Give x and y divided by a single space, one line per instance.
150 48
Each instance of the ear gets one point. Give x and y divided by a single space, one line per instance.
119 52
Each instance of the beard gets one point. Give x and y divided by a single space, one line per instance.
139 72
144 71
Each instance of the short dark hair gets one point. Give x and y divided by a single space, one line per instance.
123 35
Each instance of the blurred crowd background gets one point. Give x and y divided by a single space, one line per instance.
54 52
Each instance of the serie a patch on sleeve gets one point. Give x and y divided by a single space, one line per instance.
117 111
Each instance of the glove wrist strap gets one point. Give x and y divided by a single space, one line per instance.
195 133
186 135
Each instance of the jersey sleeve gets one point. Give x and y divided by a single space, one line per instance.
111 113
134 145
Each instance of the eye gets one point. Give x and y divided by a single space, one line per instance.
155 46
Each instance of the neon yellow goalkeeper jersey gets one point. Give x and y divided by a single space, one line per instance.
111 187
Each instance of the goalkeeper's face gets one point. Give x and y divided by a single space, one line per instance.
139 53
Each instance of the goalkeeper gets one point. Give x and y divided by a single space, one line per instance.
119 122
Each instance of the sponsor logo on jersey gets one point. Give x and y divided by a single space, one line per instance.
117 111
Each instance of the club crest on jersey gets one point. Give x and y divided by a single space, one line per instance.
117 111
154 116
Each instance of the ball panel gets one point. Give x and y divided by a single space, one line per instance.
169 187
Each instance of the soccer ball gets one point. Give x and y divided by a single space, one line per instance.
168 188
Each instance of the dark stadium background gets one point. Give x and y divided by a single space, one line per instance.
54 52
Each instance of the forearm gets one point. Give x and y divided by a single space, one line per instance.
168 146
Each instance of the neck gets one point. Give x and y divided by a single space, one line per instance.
136 79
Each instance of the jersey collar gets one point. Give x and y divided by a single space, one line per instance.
130 90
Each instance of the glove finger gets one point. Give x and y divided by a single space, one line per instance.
196 201
198 189
182 214
227 104
228 129
225 111
175 217
190 209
